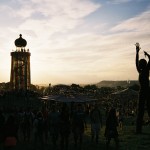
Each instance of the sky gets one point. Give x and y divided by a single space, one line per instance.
75 41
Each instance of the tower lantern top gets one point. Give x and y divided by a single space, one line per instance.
20 42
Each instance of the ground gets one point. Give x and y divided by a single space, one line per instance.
128 140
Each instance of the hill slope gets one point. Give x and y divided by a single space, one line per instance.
116 83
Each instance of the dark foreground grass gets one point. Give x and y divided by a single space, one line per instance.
128 140
131 141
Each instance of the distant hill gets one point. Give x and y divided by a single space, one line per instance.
116 83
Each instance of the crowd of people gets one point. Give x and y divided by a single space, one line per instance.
56 125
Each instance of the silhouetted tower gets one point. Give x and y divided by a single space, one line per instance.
20 66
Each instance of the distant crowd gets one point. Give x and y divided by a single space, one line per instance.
56 125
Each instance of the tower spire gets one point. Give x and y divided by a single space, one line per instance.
20 66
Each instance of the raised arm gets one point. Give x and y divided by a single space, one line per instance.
146 54
137 58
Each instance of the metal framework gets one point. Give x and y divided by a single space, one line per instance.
20 69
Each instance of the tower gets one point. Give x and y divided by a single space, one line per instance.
20 66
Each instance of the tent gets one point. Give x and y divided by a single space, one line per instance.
125 95
69 98
126 92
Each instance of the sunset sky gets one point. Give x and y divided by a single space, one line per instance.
75 41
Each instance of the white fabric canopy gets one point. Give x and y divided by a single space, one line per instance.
68 98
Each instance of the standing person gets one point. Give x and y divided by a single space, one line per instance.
46 128
2 121
54 123
27 124
120 119
111 128
64 127
35 127
143 69
96 123
78 125
40 128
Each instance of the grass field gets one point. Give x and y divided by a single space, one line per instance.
128 140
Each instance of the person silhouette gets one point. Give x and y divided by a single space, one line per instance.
111 128
143 68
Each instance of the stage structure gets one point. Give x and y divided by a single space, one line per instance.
20 66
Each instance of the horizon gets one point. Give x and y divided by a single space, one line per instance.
75 41
87 83
81 84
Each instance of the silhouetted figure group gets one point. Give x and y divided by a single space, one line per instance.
56 124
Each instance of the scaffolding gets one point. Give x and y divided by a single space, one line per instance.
20 66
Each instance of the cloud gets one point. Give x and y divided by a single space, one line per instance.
55 17
139 23
46 16
119 1
109 53
61 50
